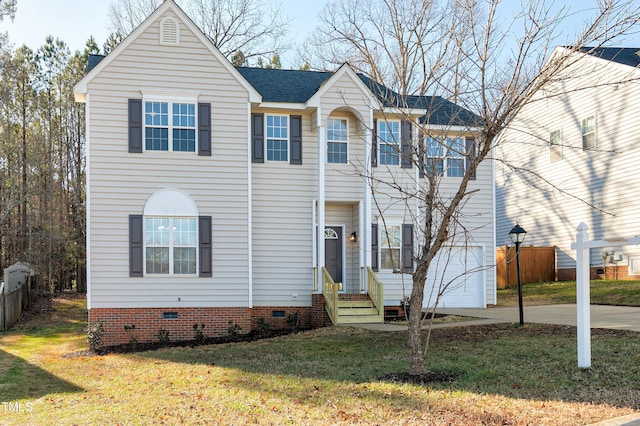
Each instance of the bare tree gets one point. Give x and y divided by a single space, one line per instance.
252 27
489 60
7 9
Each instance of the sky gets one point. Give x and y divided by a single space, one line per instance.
73 21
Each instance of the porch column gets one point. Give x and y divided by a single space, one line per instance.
365 246
322 141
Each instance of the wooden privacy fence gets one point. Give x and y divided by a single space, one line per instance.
536 264
14 294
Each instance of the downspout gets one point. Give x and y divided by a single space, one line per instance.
87 145
249 209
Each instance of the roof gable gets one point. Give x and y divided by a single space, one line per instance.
97 63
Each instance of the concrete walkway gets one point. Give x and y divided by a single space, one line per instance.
616 317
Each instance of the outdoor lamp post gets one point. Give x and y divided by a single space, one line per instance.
517 235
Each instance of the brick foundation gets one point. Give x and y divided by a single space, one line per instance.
148 321
277 317
180 321
599 273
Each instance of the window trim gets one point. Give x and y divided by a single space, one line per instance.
170 101
346 120
266 138
593 132
396 143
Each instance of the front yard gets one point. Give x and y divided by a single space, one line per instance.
603 292
506 375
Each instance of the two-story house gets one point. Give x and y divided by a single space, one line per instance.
569 156
222 196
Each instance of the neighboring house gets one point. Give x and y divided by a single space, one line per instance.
575 151
210 186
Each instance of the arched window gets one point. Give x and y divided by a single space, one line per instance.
170 237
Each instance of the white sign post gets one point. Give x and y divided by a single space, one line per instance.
583 302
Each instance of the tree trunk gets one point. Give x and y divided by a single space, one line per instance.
416 355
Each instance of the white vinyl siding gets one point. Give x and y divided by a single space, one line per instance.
120 182
594 186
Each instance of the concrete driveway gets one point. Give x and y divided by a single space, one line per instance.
617 317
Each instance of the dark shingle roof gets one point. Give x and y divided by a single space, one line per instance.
284 85
439 110
93 61
294 86
622 55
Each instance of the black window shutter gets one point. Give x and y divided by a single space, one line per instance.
204 227
470 143
257 138
374 247
407 247
135 125
374 144
295 139
204 129
136 248
406 147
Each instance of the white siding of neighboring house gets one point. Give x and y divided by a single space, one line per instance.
605 178
121 182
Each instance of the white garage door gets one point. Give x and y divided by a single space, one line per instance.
458 270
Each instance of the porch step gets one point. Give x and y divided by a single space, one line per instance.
359 319
355 304
357 311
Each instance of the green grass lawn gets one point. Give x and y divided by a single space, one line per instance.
603 292
506 375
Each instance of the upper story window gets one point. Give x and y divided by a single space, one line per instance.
389 136
170 126
337 140
445 155
589 133
277 137
555 146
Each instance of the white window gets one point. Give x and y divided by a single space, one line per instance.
170 245
337 140
389 147
277 138
555 146
589 133
445 154
455 157
170 126
170 233
391 243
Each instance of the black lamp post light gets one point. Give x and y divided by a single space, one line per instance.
517 235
